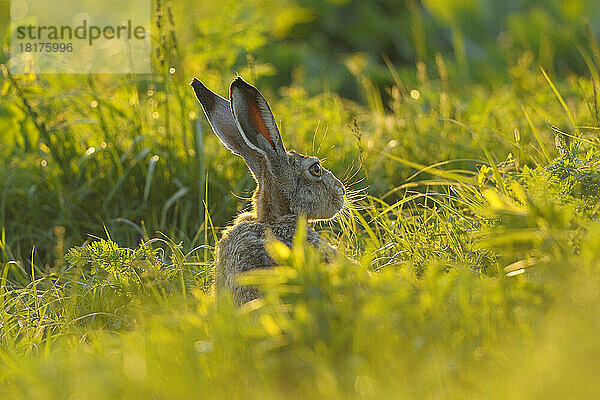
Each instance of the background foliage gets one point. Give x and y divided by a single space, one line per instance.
466 131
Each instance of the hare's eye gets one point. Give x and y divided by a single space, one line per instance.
315 169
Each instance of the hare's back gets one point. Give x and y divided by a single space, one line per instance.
244 244
240 249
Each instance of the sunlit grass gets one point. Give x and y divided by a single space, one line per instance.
468 249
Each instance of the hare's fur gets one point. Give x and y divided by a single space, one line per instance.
241 249
289 184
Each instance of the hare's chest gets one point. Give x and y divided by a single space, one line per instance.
285 234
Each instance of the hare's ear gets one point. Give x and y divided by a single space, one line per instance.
218 112
255 120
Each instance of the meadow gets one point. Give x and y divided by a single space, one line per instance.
469 250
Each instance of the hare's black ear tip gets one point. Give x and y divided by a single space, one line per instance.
239 83
196 84
204 95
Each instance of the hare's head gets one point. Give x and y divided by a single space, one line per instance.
288 182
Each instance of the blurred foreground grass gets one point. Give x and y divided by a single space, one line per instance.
469 262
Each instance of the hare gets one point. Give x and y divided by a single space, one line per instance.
288 184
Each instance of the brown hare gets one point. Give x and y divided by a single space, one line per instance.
288 184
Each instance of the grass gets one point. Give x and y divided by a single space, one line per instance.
468 260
